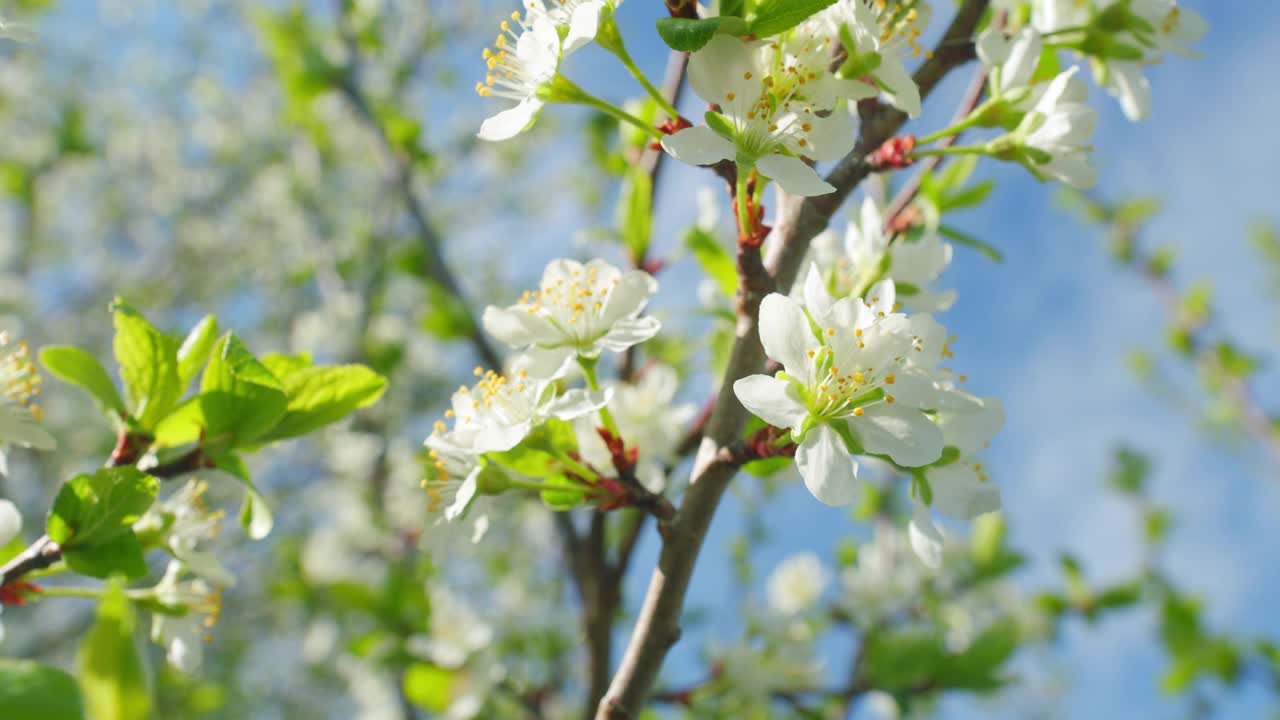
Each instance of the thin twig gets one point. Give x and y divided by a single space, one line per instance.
903 199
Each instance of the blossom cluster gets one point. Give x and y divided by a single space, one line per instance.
1120 37
577 312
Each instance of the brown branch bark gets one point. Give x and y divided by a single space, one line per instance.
799 221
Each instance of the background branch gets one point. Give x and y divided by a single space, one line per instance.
400 176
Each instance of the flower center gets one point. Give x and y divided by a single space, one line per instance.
900 22
508 74
19 379
574 305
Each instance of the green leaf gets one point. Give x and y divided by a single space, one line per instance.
92 519
1129 472
688 35
966 239
635 212
122 554
240 400
78 367
767 466
977 666
31 690
1236 362
195 350
714 259
322 395
148 361
955 173
968 197
775 16
111 670
429 687
1136 210
899 659
282 366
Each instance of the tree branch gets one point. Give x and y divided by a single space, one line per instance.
658 625
400 176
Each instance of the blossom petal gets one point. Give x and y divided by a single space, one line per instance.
723 68
793 174
900 88
10 522
883 296
582 26
772 400
501 438
914 388
831 137
698 145
21 429
514 327
1024 55
970 429
545 363
959 493
479 529
578 402
829 471
510 122
626 333
462 500
992 46
628 297
904 434
816 297
785 334
926 539
1131 88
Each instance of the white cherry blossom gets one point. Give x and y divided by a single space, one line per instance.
183 635
456 631
883 578
865 257
451 481
577 311
648 419
500 410
188 526
960 489
849 369
768 118
881 37
576 20
10 526
525 59
1011 61
19 389
1176 28
1054 134
797 583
